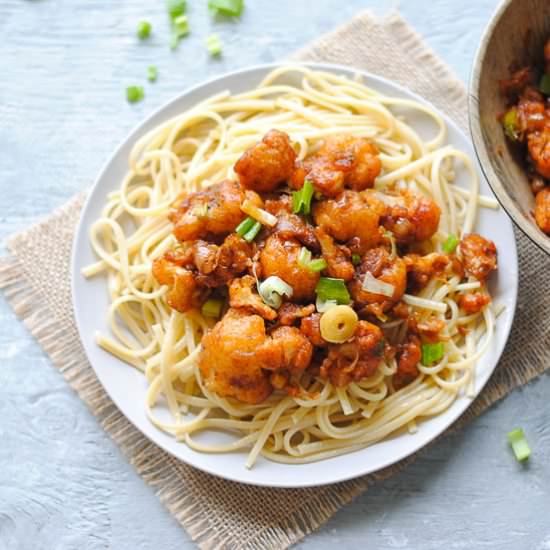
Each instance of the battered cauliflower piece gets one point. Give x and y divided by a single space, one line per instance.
214 211
237 356
542 210
267 164
479 256
337 257
279 257
379 263
341 161
408 357
352 217
356 359
242 295
420 269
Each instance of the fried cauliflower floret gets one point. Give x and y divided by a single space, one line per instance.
408 357
542 210
229 361
412 217
337 257
420 269
268 163
479 256
310 326
350 216
382 266
279 257
538 144
242 295
184 293
214 211
237 356
356 359
289 313
341 161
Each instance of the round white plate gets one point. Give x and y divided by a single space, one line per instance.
127 386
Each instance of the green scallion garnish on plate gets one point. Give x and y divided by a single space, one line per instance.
143 30
519 444
432 353
214 45
449 246
232 8
152 73
176 8
134 94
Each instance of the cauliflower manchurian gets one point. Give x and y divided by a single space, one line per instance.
314 223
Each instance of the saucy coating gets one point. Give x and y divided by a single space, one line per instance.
379 263
479 256
542 210
213 211
267 164
184 293
242 295
355 359
286 349
279 257
420 269
289 313
538 144
408 357
350 216
340 161
473 303
229 361
338 257
310 326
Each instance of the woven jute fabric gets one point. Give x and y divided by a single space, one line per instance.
221 514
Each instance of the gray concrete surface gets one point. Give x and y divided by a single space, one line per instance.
64 66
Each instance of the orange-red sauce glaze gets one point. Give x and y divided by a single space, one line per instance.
527 122
254 349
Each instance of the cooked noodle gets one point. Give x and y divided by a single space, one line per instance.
199 148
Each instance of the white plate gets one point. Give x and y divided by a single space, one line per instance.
127 386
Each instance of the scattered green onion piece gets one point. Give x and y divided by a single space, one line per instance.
244 226
355 259
226 7
544 84
250 235
180 29
272 291
324 305
449 246
511 124
214 45
305 261
212 308
134 94
176 8
332 289
152 73
143 30
432 353
317 265
521 449
301 200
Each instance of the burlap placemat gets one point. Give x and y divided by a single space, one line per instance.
218 513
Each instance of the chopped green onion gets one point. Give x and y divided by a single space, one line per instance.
511 124
432 353
332 289
250 235
305 261
517 439
214 45
377 286
449 246
180 29
226 7
544 84
176 8
245 226
301 200
272 291
324 305
152 73
134 94
212 308
143 29
355 259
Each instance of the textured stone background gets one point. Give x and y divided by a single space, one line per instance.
64 66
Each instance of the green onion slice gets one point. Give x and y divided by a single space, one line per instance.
272 291
355 259
301 200
324 305
449 246
226 7
180 29
176 8
305 261
544 84
332 289
143 29
245 226
214 45
250 235
519 444
212 308
152 73
432 353
510 123
134 94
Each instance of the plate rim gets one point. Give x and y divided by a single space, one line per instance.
80 231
